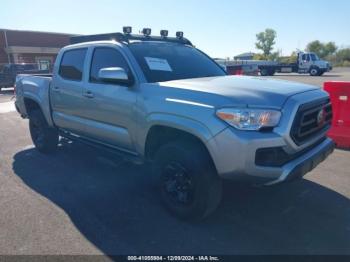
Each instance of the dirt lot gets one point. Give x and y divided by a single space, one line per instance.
337 74
82 201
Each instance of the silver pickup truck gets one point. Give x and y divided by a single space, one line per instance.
161 100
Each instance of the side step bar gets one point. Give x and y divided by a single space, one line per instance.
127 156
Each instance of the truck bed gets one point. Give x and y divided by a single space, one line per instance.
37 88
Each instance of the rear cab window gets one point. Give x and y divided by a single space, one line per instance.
72 64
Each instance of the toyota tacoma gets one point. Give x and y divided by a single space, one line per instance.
159 100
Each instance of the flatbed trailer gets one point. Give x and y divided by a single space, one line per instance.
306 63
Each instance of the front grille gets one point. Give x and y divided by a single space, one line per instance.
311 120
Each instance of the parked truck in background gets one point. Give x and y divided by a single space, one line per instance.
306 63
8 73
160 100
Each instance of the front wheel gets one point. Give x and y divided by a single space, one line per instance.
43 136
264 72
314 71
187 180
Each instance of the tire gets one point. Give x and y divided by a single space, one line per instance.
44 137
187 180
314 71
271 72
264 72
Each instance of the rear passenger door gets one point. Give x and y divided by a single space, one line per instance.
109 107
66 91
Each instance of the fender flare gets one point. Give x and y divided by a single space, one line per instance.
188 125
46 113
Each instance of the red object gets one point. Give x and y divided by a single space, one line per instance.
340 97
234 71
239 72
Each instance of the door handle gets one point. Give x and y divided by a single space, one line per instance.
88 94
56 89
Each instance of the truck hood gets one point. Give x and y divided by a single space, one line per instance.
243 90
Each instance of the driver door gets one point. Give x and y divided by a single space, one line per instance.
109 107
305 62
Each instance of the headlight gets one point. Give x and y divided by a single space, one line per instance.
249 119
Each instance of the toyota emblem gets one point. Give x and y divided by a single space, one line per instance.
321 117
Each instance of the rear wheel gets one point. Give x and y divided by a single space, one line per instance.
43 136
187 180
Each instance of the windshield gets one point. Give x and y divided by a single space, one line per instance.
314 57
168 61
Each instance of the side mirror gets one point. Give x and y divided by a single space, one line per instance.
114 75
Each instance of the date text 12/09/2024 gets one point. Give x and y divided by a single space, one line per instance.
173 258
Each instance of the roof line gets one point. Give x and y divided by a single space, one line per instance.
32 31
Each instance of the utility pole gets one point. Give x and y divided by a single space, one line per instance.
6 47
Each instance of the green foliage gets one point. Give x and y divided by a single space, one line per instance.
341 57
330 48
346 64
259 57
321 49
289 59
274 56
266 41
343 54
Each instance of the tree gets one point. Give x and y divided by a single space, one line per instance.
343 57
343 54
329 48
259 57
315 46
266 41
321 49
289 59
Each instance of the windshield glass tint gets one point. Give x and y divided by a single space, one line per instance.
167 61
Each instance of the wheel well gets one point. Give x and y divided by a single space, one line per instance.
159 135
31 105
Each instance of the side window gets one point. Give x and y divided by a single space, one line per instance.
106 57
303 57
313 57
72 64
308 58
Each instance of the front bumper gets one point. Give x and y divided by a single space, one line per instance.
234 152
305 163
234 157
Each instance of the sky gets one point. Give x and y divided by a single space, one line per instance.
221 28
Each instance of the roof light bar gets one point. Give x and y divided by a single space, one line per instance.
179 34
146 31
164 33
127 30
